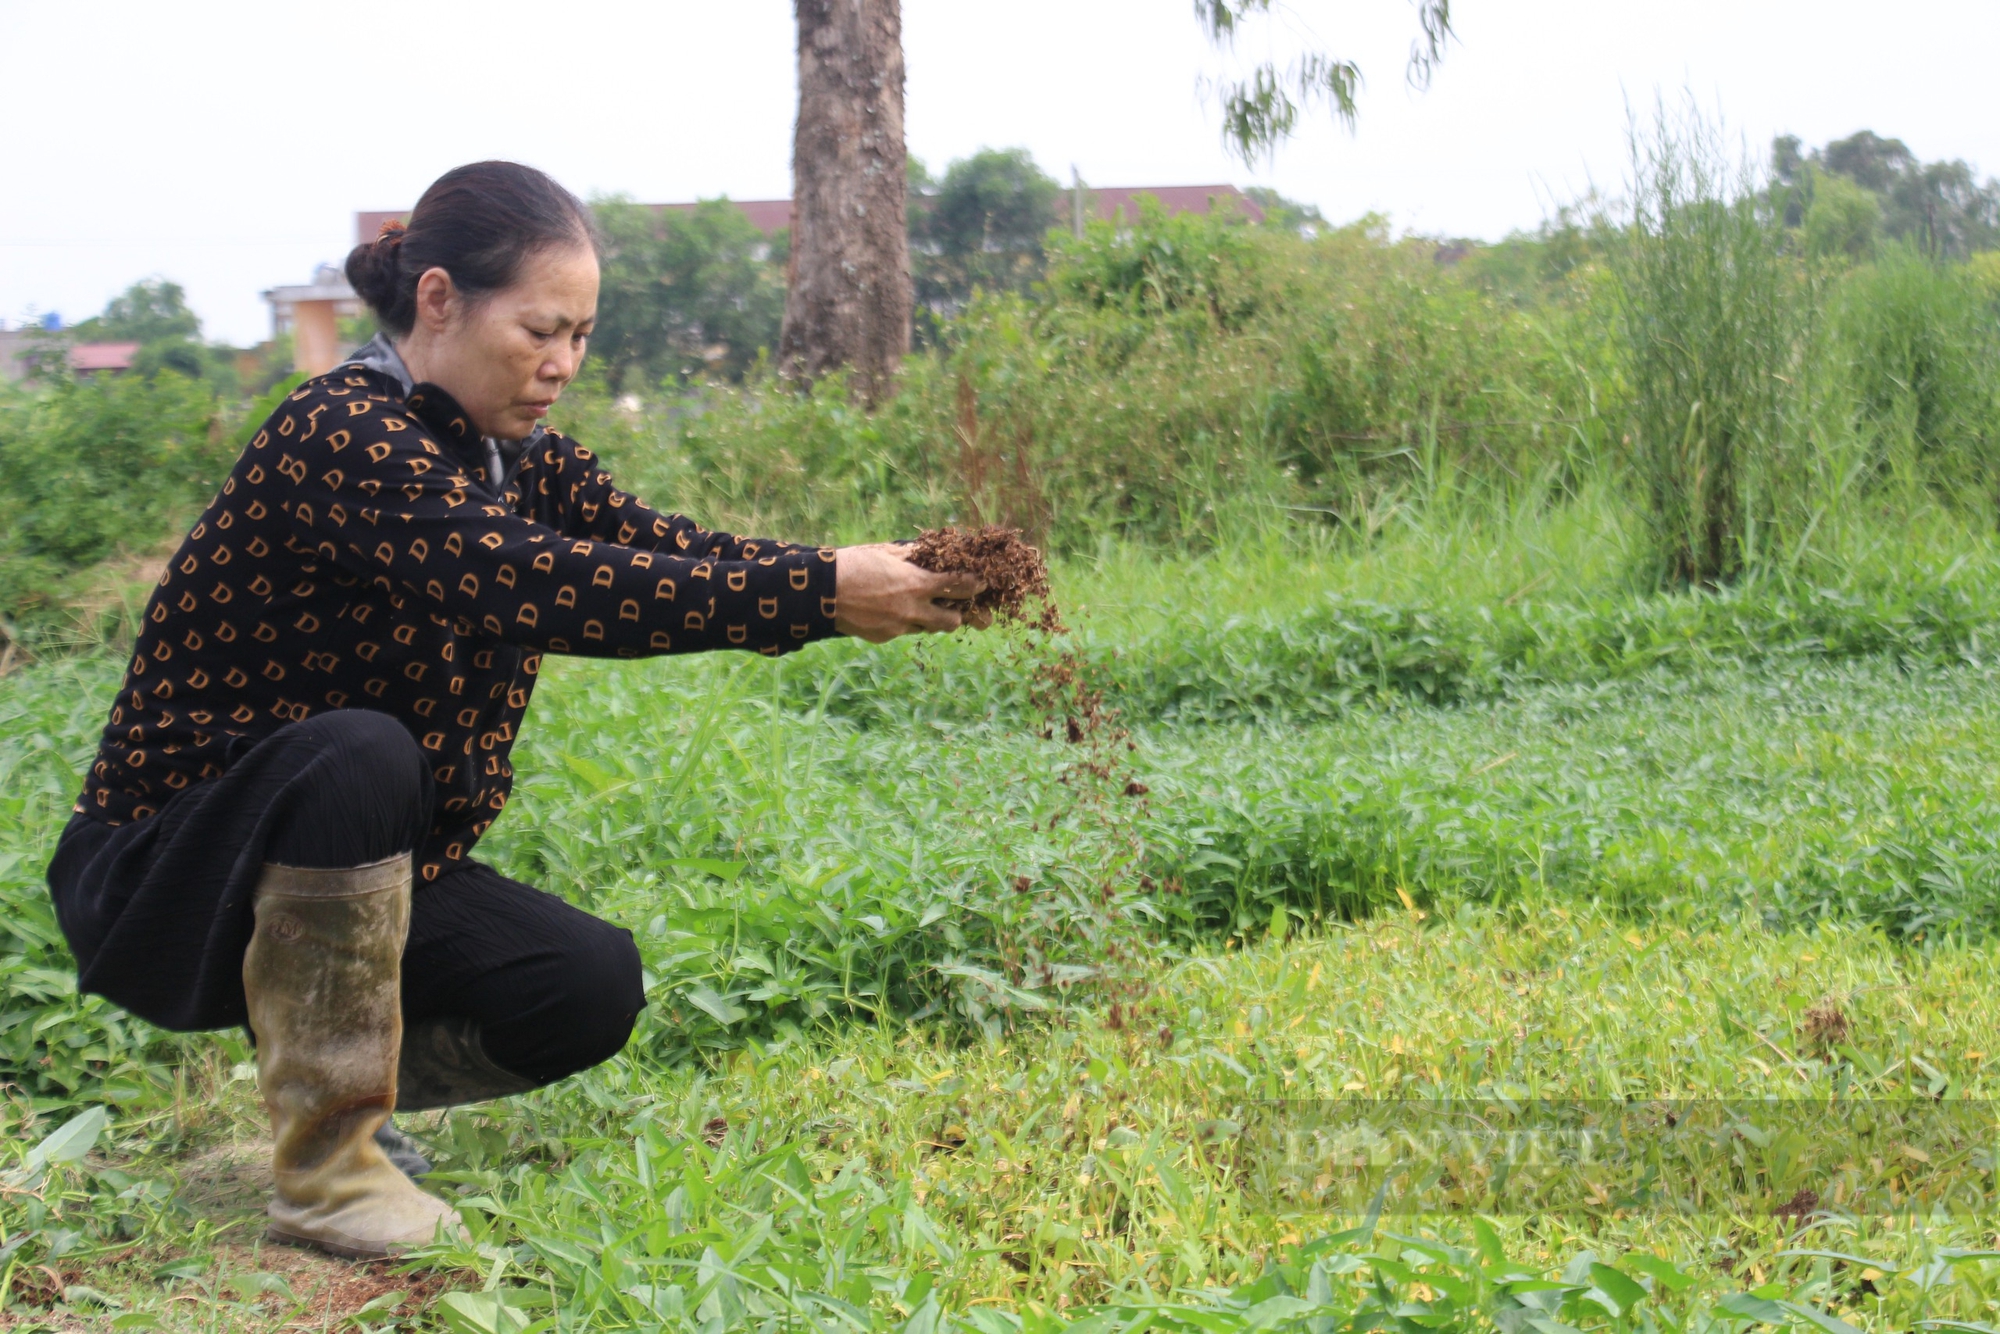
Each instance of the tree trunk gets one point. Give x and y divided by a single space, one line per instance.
849 300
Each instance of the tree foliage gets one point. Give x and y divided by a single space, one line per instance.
1842 219
981 227
1287 214
684 292
1263 108
154 313
998 201
1942 208
146 312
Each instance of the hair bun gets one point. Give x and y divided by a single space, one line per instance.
477 223
373 271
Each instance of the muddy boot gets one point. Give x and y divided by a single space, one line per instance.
323 980
444 1064
402 1151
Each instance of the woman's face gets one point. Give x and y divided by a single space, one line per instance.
507 355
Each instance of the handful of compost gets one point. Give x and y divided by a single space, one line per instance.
1014 573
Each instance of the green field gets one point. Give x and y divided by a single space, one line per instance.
942 1028
1555 687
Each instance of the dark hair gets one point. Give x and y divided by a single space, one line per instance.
478 223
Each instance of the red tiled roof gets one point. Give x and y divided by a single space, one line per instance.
368 225
102 356
767 215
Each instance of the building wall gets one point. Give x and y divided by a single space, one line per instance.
16 346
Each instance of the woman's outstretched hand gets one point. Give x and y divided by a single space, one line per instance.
879 594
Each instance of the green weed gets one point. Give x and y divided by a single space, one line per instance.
1432 796
1093 1166
879 1081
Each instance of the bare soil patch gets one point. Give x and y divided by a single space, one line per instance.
230 1185
251 1280
326 1289
228 1182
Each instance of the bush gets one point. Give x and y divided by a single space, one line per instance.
1184 261
94 467
1917 351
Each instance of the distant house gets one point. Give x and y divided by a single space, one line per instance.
1120 203
90 358
367 226
767 215
19 349
1113 203
311 314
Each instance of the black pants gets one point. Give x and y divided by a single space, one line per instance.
158 912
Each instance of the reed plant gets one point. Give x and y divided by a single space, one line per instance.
1714 316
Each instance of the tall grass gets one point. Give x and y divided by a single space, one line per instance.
1915 360
1714 315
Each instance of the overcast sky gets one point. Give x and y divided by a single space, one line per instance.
227 146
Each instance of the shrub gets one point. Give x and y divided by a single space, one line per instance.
683 293
1917 351
96 467
90 467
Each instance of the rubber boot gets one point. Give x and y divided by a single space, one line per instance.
444 1064
402 1151
323 980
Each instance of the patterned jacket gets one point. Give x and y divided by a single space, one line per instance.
359 556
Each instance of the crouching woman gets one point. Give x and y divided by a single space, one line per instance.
314 730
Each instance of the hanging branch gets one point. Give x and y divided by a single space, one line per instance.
1262 110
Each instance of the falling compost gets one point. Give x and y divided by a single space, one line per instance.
1066 702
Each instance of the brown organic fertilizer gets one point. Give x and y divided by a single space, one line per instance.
1014 573
1018 595
1069 708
